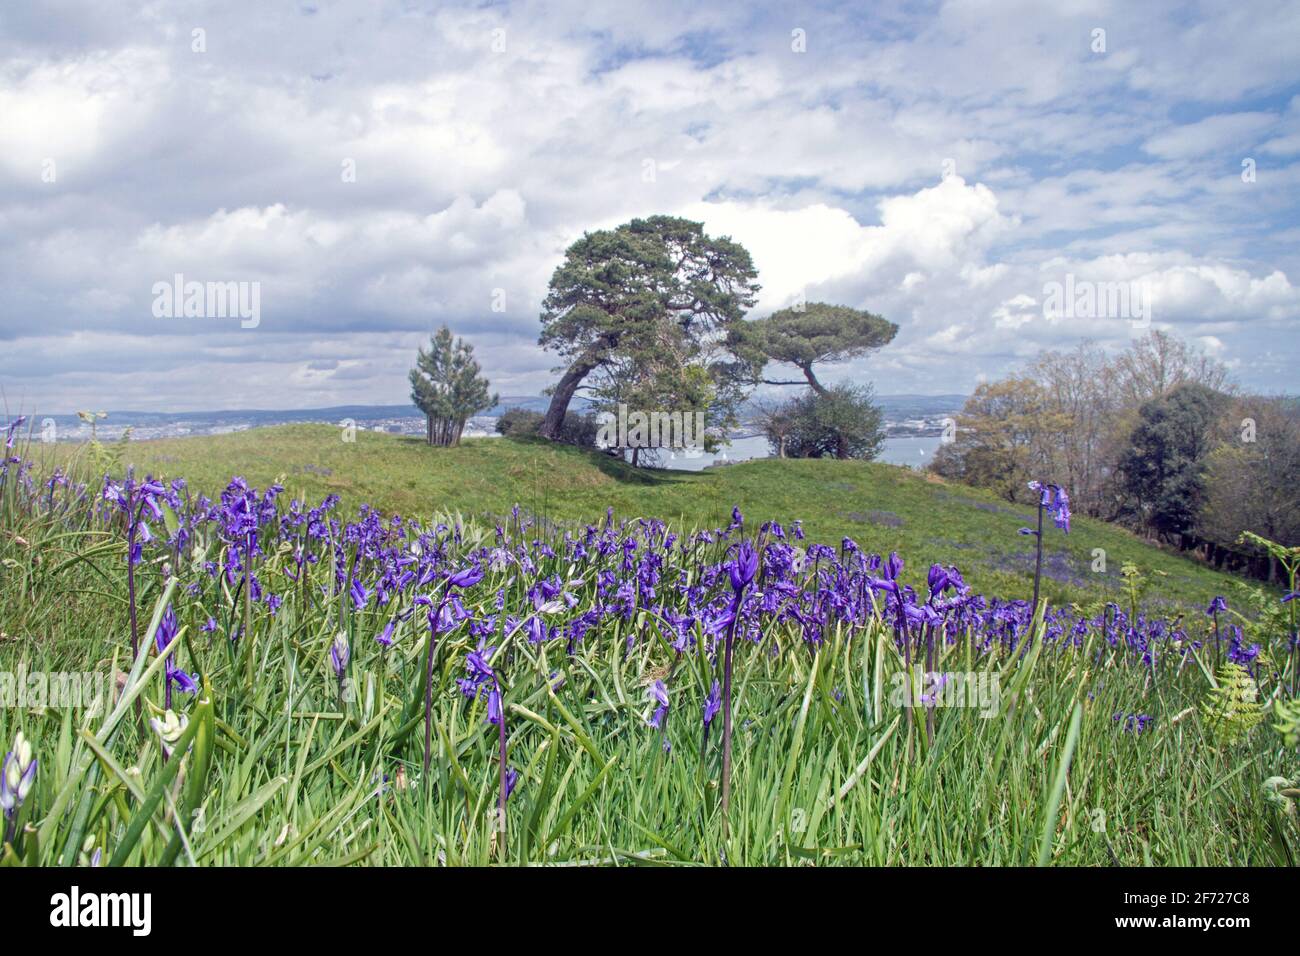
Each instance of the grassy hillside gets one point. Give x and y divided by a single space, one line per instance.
882 507
548 705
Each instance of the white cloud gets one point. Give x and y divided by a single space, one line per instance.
938 229
71 110
1225 131
474 171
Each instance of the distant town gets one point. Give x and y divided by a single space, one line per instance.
905 416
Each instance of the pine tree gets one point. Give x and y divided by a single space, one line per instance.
446 385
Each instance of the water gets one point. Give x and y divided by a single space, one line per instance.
915 451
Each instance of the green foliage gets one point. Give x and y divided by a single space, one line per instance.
1164 463
1262 616
518 422
1287 714
659 382
1136 584
1251 474
578 429
283 772
1231 709
840 422
655 294
813 334
101 458
447 387
1004 438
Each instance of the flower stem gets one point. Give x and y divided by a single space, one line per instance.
726 718
428 687
1038 561
501 774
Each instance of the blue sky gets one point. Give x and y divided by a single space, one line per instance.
940 164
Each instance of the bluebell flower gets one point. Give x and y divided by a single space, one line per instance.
17 774
659 693
340 652
744 567
467 578
712 704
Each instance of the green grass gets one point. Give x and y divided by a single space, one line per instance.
283 770
882 507
828 770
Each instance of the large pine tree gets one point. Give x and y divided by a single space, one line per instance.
621 294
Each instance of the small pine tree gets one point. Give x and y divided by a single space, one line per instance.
447 387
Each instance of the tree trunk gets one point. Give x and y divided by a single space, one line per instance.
815 385
560 398
428 429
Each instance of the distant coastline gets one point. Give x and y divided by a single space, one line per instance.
905 416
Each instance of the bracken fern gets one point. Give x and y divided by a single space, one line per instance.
1232 709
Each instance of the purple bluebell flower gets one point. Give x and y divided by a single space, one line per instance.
12 429
173 675
340 652
712 704
745 566
17 774
658 693
467 578
1053 500
360 596
1134 723
893 567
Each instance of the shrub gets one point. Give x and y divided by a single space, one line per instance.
576 429
518 422
579 430
839 422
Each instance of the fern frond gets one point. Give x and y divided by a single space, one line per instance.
1232 709
1288 721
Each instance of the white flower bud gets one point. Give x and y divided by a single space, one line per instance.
169 728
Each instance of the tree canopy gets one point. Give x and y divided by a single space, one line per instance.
1164 466
649 288
842 421
814 334
1004 437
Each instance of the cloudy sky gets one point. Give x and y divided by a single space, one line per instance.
378 168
